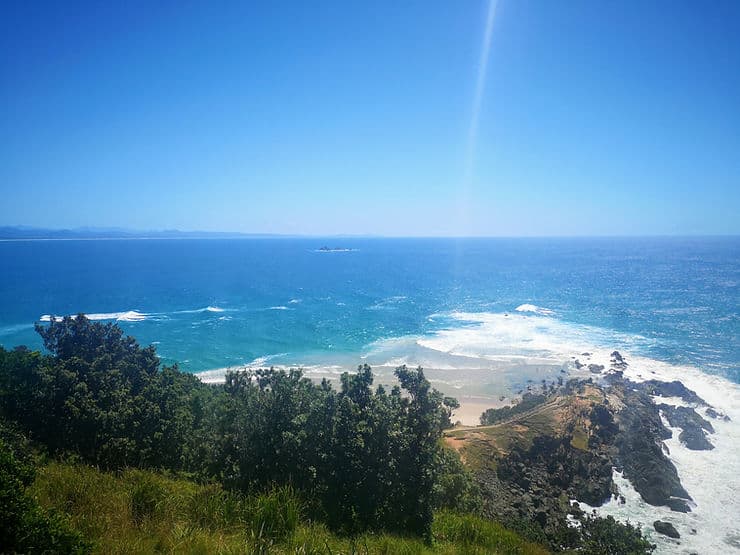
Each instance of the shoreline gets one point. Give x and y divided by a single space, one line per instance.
709 476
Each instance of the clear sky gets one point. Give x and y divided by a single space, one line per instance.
390 118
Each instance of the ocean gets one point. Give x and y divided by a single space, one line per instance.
486 317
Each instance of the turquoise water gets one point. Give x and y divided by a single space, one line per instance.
484 317
210 304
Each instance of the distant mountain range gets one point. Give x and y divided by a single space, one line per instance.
25 232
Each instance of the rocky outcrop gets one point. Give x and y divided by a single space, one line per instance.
666 528
694 428
640 453
596 368
618 361
672 389
530 465
535 484
711 413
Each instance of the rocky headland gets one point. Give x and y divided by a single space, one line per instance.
531 465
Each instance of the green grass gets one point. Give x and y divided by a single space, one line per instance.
136 512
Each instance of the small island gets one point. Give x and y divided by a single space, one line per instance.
334 249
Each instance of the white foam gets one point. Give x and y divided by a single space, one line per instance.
281 307
534 308
540 339
125 316
388 303
209 308
294 301
712 477
218 375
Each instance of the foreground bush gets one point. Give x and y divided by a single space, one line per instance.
191 518
24 526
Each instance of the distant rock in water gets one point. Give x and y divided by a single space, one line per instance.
618 360
334 249
666 528
596 368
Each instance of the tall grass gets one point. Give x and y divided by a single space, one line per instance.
138 512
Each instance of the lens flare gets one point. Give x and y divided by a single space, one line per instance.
470 150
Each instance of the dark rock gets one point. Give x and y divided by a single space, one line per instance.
618 361
640 451
683 417
711 413
575 510
596 368
578 364
585 354
695 439
693 426
678 505
672 389
666 528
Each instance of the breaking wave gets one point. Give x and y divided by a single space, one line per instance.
126 316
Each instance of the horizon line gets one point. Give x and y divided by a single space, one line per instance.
109 234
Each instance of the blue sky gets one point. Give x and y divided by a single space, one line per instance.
589 118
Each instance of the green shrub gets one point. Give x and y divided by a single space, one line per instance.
26 527
275 514
213 508
471 533
607 536
146 497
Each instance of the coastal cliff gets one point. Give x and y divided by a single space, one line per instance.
536 465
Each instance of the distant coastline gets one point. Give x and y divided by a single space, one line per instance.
24 233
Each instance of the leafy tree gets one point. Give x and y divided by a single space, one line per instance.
364 458
99 395
607 536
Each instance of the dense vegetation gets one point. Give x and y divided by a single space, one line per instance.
269 460
528 402
24 526
142 512
367 459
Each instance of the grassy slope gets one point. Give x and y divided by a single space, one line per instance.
145 512
482 446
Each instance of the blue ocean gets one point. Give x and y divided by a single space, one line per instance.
210 304
486 318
